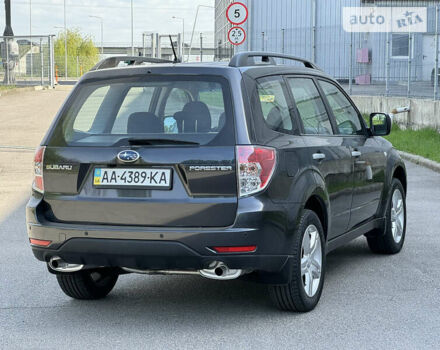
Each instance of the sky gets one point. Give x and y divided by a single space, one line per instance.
149 15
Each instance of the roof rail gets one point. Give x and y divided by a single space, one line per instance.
241 59
112 62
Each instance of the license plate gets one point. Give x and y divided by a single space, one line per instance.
135 178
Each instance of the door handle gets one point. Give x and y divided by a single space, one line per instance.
318 156
356 154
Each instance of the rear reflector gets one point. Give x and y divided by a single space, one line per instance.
244 249
40 242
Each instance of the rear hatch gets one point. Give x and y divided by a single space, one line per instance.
145 151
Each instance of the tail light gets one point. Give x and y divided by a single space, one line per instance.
256 165
38 184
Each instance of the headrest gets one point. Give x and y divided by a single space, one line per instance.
195 117
221 121
144 123
274 119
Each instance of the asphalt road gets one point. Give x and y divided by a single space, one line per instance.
369 301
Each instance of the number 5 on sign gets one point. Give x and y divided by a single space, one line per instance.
236 35
237 13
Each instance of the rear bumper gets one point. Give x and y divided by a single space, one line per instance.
152 255
259 222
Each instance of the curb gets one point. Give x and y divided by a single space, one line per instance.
421 161
18 90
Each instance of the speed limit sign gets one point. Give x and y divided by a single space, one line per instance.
237 13
236 35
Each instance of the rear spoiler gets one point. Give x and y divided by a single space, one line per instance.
112 62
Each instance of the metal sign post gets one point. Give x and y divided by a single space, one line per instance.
201 47
410 51
436 72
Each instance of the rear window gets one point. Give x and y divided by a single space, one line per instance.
114 112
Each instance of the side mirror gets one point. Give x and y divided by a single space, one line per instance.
380 124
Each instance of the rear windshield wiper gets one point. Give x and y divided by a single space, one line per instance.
141 142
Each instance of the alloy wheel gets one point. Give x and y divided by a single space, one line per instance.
311 260
397 215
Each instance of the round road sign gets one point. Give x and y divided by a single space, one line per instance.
237 13
236 35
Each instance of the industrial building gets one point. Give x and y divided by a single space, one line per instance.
313 29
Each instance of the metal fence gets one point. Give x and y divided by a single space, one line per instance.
27 60
77 65
407 67
33 60
386 64
389 64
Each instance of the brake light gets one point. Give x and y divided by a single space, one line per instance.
38 184
244 249
256 165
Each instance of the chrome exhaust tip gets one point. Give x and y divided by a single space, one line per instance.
219 271
59 265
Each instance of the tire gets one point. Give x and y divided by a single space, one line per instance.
293 296
88 284
388 241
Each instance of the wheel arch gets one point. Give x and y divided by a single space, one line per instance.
395 169
399 173
310 192
316 204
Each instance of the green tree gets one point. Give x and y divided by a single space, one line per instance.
82 54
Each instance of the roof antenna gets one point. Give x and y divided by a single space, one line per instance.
176 60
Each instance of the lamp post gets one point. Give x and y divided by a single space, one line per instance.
194 27
30 34
132 29
183 36
8 29
65 39
65 49
9 48
102 32
30 17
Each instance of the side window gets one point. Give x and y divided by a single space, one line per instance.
176 100
138 99
310 106
346 116
86 115
274 104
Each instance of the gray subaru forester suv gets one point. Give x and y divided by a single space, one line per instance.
253 169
